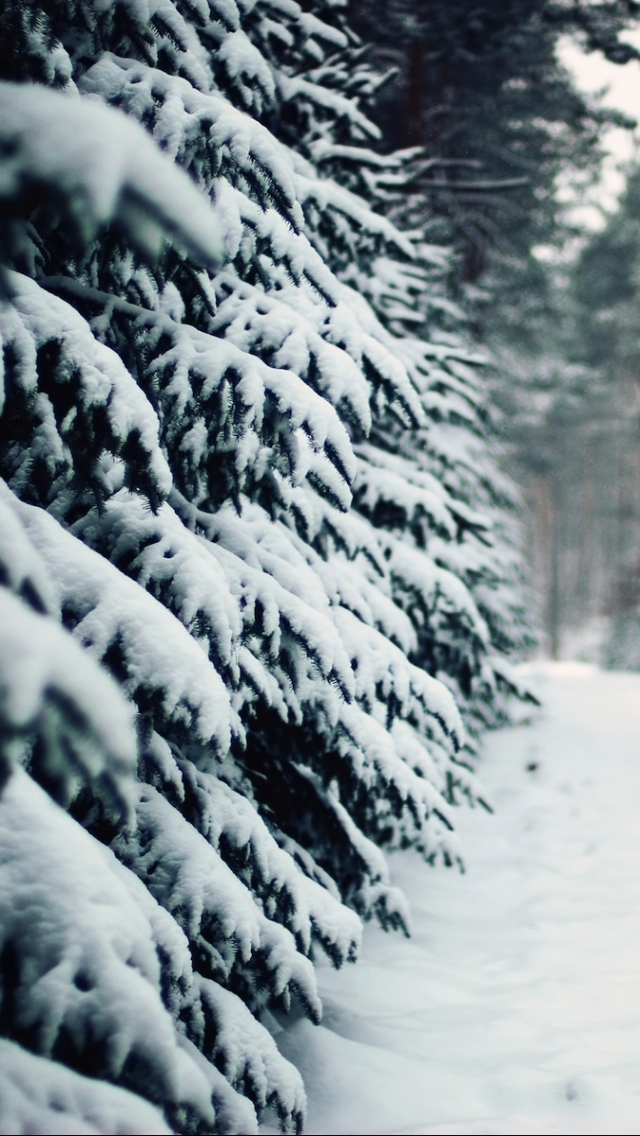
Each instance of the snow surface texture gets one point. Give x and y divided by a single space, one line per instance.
515 1006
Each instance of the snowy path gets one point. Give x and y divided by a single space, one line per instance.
515 1007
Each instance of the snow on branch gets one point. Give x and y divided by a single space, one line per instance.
67 398
97 167
88 984
160 666
60 714
43 1096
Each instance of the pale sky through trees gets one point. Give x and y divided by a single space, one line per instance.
621 84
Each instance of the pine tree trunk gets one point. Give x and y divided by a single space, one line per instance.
415 81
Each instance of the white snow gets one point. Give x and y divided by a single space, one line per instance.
35 318
104 167
515 1006
107 607
89 972
43 1096
41 666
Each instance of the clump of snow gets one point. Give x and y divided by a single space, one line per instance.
91 374
100 166
48 687
104 608
88 979
43 1096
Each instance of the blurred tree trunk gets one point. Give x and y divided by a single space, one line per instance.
415 125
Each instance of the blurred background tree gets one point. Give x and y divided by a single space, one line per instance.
504 130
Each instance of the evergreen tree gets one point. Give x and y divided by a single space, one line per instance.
248 527
481 87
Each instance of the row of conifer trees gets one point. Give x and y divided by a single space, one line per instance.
258 577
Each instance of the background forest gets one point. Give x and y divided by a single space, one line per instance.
260 577
513 147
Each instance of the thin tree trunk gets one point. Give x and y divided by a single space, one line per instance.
415 86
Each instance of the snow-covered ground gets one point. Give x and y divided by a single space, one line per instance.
515 1006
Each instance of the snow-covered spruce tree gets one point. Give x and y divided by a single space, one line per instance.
463 637
188 377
